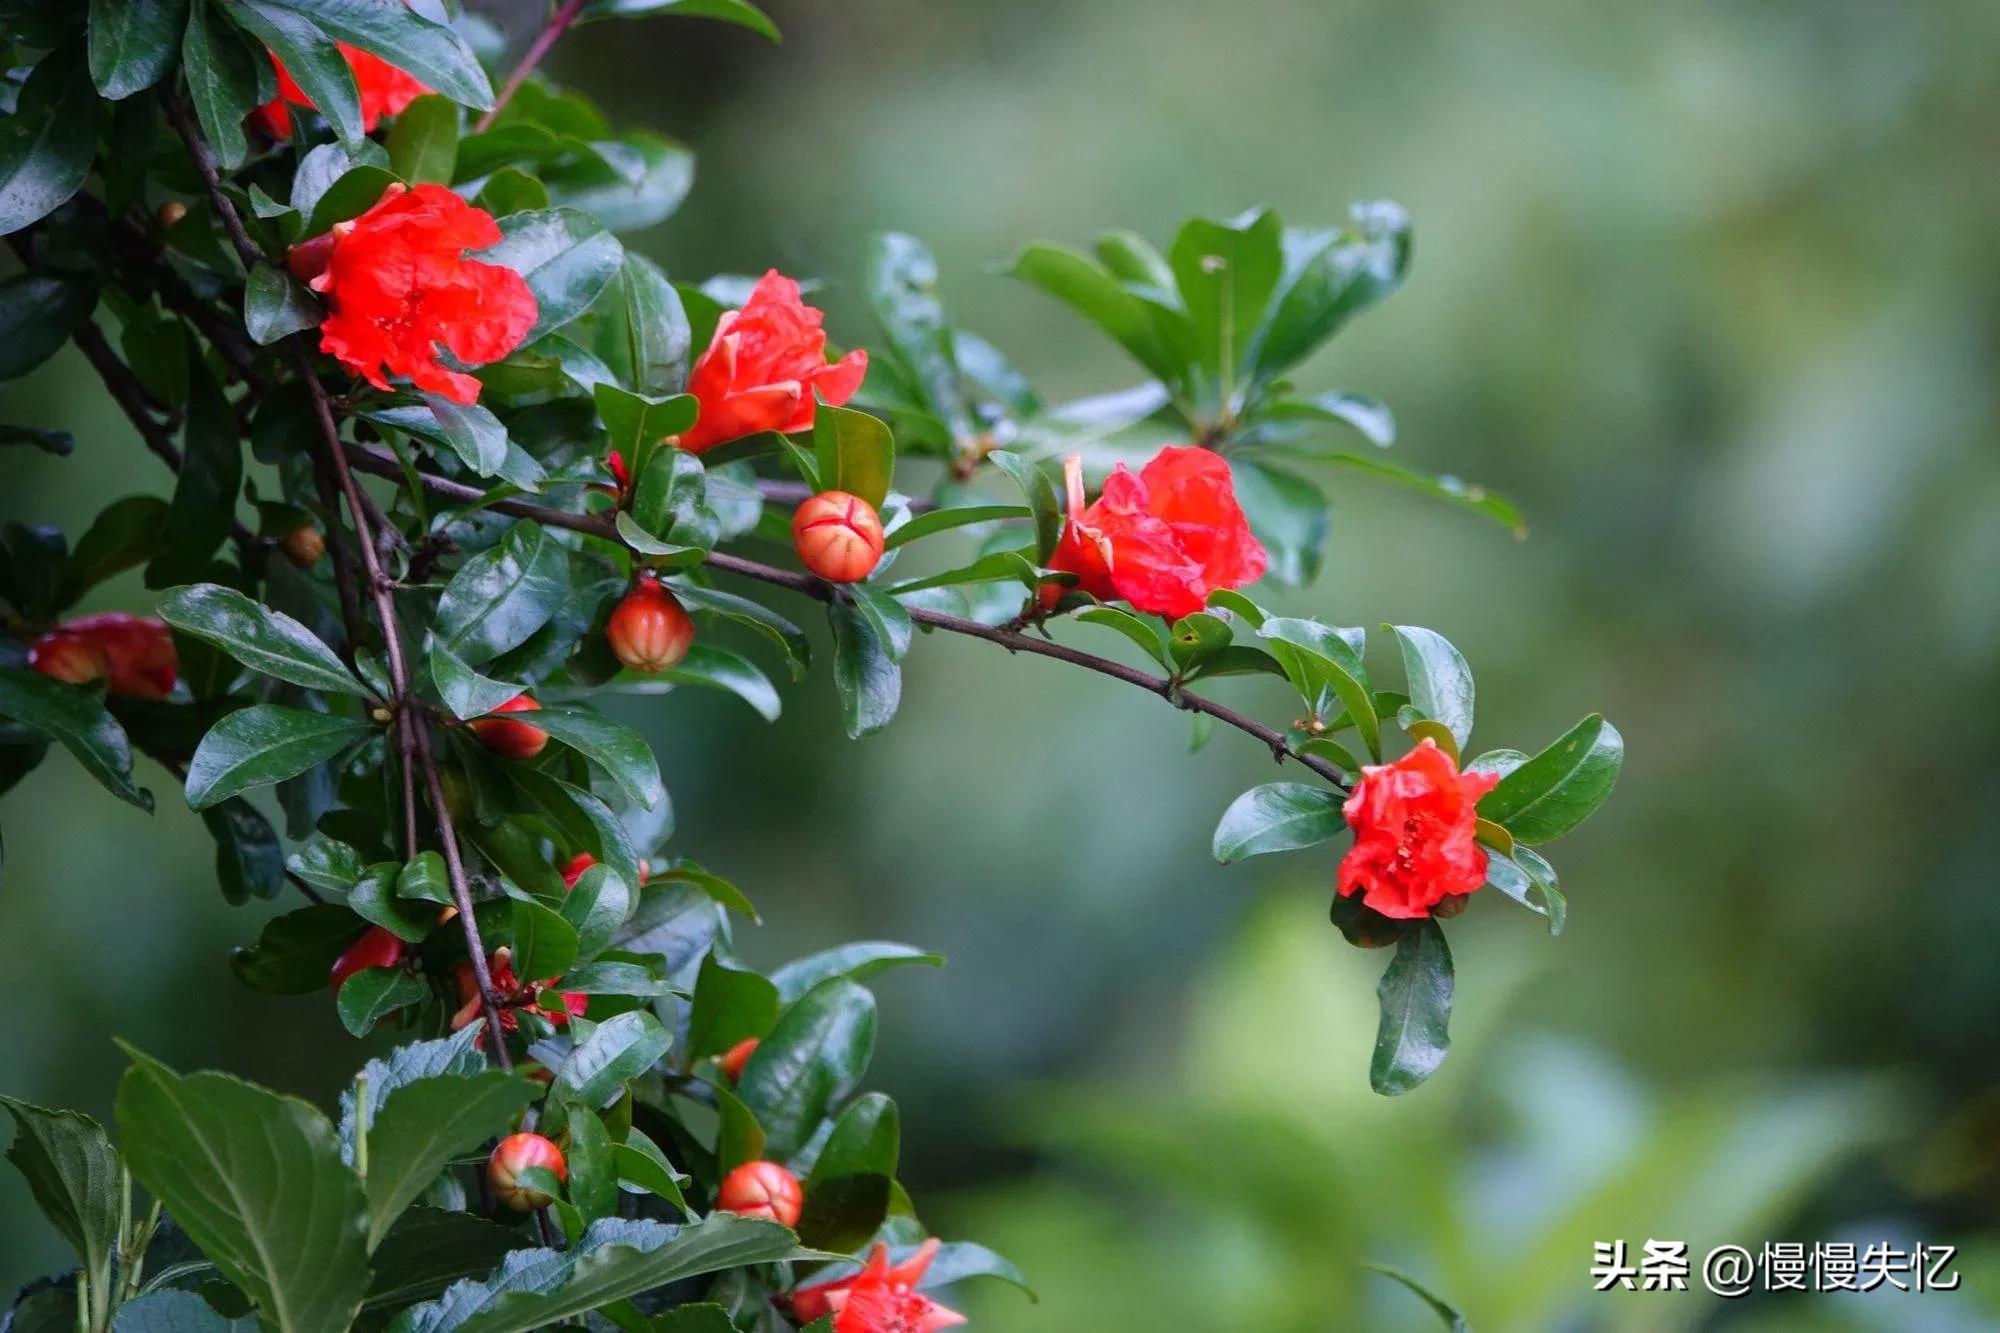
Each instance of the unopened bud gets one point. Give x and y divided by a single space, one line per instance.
573 872
507 738
649 631
838 536
171 213
377 948
304 545
517 1153
736 1057
762 1189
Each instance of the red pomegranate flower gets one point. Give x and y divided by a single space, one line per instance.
1414 825
501 969
397 284
878 1299
764 367
132 655
385 91
1163 540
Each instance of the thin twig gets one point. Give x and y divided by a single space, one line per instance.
544 42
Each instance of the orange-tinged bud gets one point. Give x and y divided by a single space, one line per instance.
649 631
512 740
762 1189
304 545
516 1154
736 1057
171 213
75 658
132 655
838 536
378 948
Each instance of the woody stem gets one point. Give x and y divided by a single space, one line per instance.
544 42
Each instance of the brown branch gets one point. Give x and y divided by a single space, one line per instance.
544 42
601 525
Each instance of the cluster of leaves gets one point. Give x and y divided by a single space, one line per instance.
135 190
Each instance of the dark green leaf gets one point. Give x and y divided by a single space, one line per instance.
72 1170
124 535
1559 788
613 746
256 1181
855 453
943 520
309 55
567 257
1100 298
780 631
865 674
222 80
57 442
297 950
808 1063
622 1048
204 502
629 183
423 1125
428 1249
249 861
436 55
170 1310
1225 273
1277 817
730 1004
716 887
262 744
501 596
38 312
1415 993
544 943
1329 277
740 12
327 864
77 719
264 640
423 144
597 906
372 994
132 43
1043 504
1323 665
376 896
1440 681
47 143
1288 513
694 1319
721 669
856 962
352 194
277 305
847 1194
456 1055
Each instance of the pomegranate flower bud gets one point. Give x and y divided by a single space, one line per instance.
304 545
762 1189
516 1154
649 631
132 655
838 536
75 658
378 948
573 872
512 740
736 1057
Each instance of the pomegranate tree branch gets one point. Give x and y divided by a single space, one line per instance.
544 42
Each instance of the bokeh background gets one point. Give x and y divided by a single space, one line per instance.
1710 290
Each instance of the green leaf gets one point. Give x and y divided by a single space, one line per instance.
456 1055
609 976
171 1310
264 640
423 1125
634 423
1450 489
1144 633
597 906
730 1004
855 453
865 673
713 885
124 535
944 520
350 195
436 55
1043 504
809 1062
1323 664
615 1259
613 746
222 81
1440 681
1453 1321
309 56
204 502
249 861
721 669
73 1172
277 305
501 596
694 1319
847 1194
47 143
510 190
256 1181
472 431
566 256
372 994
1277 817
132 43
622 1048
38 313
262 744
1100 298
1415 993
1197 638
902 290
544 943
856 962
649 329
1290 516
423 143
1364 412
740 12
376 897
76 718
297 950
789 638
327 864
1534 888
1559 788
635 181
428 1249
1329 277
464 691
57 442
1226 272
593 1176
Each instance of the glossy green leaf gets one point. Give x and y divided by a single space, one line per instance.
465 692
256 1180
423 1126
428 1249
635 181
264 640
327 864
544 942
1440 681
1450 489
1415 994
222 77
277 305
296 951
739 12
730 1004
73 1173
372 994
1364 412
1508 870
1277 817
1145 633
1559 788
597 905
38 313
501 596
713 885
132 43
809 1062
566 256
865 674
423 143
249 860
855 453
1329 277
309 55
473 433
1195 639
1043 503
1324 665
376 897
1288 514
1225 273
47 143
847 1194
262 744
788 637
622 1048
856 962
902 291
204 502
613 746
454 1055
352 194
435 54
76 718
944 520
1100 298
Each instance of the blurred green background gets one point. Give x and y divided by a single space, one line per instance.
1710 290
